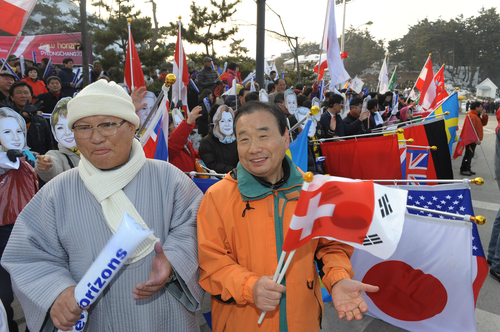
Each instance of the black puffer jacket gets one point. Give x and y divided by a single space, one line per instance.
207 79
218 156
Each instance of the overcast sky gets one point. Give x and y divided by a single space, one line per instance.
305 19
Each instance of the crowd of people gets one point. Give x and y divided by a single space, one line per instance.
81 167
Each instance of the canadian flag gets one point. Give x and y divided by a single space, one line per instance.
180 87
426 85
359 213
441 93
15 13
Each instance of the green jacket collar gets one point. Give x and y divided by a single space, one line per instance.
250 189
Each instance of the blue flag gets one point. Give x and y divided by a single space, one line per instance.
297 150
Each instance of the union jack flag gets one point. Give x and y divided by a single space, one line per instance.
416 164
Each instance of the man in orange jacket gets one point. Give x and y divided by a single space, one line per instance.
242 223
479 120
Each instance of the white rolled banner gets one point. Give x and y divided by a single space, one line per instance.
107 264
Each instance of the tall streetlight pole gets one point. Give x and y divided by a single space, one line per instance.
261 35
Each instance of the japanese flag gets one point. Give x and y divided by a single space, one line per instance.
362 214
425 284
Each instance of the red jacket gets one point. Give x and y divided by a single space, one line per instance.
478 122
38 87
180 154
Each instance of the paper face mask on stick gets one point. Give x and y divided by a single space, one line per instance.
301 113
290 101
12 130
150 99
223 124
59 124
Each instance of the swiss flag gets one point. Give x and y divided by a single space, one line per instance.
467 136
441 93
423 284
362 214
426 85
134 77
15 13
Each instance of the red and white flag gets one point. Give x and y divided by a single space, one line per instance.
426 85
362 214
134 77
320 69
441 93
15 13
330 45
180 88
424 284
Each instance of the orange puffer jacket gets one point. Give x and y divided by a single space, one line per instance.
237 244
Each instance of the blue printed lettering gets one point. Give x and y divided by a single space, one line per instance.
113 260
121 254
106 273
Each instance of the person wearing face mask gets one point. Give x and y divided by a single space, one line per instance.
54 162
181 152
18 184
218 149
51 98
39 137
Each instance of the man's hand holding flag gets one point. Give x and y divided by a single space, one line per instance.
362 214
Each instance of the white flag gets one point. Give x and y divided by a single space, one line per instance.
383 78
356 84
330 44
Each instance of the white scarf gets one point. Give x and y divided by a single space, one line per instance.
106 186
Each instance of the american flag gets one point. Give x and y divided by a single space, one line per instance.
452 198
416 164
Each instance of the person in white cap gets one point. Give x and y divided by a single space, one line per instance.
78 211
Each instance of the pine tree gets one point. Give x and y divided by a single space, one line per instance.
203 24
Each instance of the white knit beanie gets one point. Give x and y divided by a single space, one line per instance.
102 98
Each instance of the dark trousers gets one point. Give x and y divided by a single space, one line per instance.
469 154
6 293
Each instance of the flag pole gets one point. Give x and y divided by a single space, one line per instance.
476 181
321 44
321 140
193 174
11 48
380 129
479 220
181 64
281 275
486 159
130 51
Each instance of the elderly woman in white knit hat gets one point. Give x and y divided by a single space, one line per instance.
80 210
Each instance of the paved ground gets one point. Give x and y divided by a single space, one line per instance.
486 201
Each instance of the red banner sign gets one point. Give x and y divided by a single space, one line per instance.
57 47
